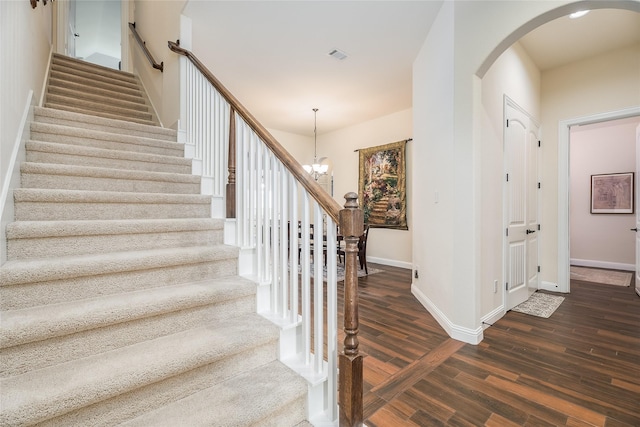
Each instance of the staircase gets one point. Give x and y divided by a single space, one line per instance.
119 302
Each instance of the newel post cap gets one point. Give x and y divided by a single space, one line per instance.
351 217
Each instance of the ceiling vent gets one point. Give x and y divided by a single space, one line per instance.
337 54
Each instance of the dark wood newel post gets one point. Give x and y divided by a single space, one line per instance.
231 165
350 361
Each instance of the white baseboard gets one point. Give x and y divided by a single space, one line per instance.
602 264
490 318
549 286
11 180
390 262
470 336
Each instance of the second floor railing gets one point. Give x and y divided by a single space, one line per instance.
276 205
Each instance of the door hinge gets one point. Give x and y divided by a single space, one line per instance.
539 185
507 177
538 269
538 227
507 122
507 232
506 286
539 143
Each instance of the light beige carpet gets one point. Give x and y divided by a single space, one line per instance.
597 275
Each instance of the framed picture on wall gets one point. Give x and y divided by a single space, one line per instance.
612 193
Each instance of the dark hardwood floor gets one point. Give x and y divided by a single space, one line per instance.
580 367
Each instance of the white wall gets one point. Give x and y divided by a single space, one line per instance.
515 75
464 41
601 240
25 46
602 84
385 246
156 25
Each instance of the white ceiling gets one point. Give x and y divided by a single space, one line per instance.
273 55
566 40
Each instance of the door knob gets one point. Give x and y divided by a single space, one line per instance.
530 231
635 229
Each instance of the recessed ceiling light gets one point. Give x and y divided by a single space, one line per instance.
338 54
579 14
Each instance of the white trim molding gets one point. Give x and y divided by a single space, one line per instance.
564 130
492 317
460 333
603 264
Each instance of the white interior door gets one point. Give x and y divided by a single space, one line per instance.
521 148
637 205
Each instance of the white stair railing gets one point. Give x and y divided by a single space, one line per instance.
275 215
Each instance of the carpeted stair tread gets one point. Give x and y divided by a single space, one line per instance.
107 115
119 298
74 88
248 399
69 135
65 73
95 69
46 239
79 196
80 171
126 110
60 77
89 71
99 95
37 204
43 322
38 270
67 118
57 176
42 394
36 229
92 156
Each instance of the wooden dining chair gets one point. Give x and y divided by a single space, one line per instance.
362 249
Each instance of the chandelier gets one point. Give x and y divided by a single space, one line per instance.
319 167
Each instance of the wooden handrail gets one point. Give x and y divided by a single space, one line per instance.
143 45
34 3
317 192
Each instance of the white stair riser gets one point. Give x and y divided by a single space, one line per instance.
90 183
53 246
87 141
45 292
100 338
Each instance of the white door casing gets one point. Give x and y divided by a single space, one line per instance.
637 205
521 205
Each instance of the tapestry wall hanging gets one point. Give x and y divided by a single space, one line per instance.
382 186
